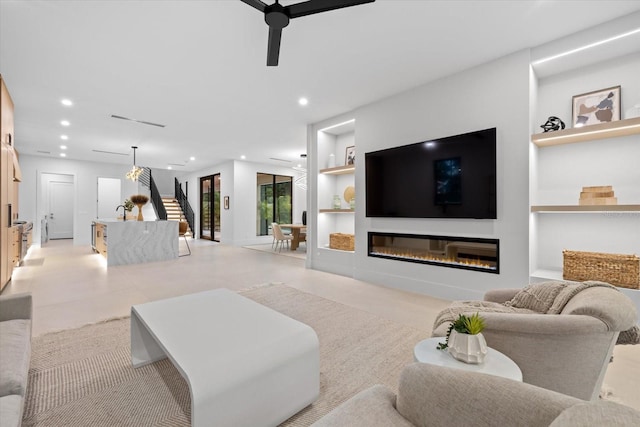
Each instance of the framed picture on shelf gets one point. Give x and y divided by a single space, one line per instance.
600 106
350 155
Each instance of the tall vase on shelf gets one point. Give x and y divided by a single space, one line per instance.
337 203
139 200
332 161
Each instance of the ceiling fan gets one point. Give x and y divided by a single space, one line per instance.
278 17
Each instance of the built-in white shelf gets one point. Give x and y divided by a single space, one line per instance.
585 208
336 211
337 250
339 170
588 133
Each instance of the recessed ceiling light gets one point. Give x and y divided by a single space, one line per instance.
303 101
169 167
65 123
192 158
243 157
63 147
63 155
64 137
67 102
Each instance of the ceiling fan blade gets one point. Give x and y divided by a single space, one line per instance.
316 6
256 4
273 48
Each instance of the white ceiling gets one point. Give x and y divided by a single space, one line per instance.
199 67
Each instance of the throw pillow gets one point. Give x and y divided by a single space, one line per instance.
538 297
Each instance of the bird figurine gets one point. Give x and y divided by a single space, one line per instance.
553 123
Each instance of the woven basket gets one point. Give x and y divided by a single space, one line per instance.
619 270
344 242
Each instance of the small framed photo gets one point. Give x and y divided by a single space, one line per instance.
350 155
600 106
226 202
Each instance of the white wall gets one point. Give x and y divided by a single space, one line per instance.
238 181
86 187
164 180
492 95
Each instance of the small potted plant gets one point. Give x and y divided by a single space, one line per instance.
465 341
128 207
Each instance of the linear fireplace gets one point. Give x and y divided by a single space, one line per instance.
446 251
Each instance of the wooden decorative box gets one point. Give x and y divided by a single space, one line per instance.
344 242
619 270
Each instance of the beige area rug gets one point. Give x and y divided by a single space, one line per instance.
83 377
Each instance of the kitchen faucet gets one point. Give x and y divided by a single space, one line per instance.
124 211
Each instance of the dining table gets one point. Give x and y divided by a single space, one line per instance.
296 231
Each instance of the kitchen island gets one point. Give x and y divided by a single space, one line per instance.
135 242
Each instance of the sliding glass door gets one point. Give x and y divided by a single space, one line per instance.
274 201
210 207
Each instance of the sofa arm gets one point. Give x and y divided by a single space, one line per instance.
18 306
372 407
437 396
500 295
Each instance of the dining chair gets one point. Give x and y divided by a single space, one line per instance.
279 237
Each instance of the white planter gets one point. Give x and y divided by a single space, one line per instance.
467 348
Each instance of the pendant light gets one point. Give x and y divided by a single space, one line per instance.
135 171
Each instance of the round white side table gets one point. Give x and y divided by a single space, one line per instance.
495 363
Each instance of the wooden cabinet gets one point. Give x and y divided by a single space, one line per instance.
100 239
8 189
16 237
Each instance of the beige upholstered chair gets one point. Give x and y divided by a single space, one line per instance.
183 226
279 237
567 352
436 396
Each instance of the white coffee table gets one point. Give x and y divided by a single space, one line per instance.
495 362
246 364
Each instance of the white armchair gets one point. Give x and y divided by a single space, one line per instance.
567 352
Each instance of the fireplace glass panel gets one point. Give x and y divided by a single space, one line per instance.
456 252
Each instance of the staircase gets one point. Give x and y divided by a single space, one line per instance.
174 212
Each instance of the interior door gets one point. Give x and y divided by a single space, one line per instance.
60 216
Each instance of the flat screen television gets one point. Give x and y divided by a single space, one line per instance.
453 177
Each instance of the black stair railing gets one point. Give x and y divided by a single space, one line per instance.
184 204
146 179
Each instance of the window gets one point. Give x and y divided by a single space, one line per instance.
274 201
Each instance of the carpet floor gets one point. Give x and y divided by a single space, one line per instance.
84 377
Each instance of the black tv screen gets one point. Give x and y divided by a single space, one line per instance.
453 177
